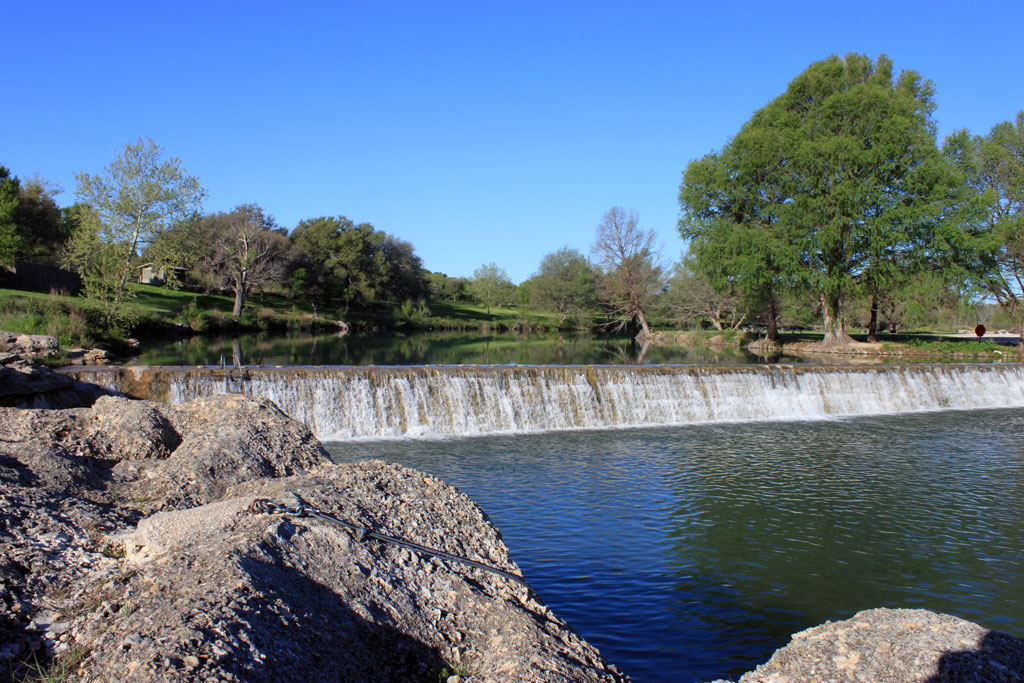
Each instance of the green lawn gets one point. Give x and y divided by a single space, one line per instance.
171 302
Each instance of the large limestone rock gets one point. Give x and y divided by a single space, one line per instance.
204 590
36 345
255 597
20 377
896 646
226 439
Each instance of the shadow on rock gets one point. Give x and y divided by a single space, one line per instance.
321 639
999 658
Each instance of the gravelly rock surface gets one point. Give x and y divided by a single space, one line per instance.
39 345
225 439
200 589
264 592
896 646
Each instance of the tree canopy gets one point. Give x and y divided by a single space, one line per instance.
491 286
41 224
357 263
836 185
139 196
243 250
993 167
10 240
565 283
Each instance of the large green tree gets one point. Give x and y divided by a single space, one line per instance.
41 223
731 202
834 184
357 263
993 166
448 288
491 286
10 240
565 283
139 196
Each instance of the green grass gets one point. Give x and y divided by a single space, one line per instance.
61 669
76 321
63 317
948 346
465 315
452 669
170 302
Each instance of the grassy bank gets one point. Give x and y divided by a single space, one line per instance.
76 321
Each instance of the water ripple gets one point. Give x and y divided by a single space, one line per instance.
692 553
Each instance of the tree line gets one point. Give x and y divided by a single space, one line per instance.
838 193
145 210
834 203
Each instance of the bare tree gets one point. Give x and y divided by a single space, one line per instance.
245 250
632 273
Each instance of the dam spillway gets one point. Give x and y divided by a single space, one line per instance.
340 403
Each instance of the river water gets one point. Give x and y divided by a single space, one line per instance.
689 553
435 348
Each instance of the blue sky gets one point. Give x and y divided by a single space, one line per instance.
480 132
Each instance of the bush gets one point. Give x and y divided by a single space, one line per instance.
412 314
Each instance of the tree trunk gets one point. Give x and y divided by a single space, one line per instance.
716 319
240 292
772 332
645 331
835 326
873 322
122 284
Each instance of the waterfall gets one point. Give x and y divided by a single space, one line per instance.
434 401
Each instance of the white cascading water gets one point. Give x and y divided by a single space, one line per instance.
346 403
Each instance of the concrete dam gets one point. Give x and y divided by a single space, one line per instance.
340 403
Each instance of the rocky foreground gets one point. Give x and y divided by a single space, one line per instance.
129 552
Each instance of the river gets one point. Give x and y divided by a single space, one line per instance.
755 501
422 348
689 553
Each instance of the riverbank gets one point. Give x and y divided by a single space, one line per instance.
158 312
953 347
131 554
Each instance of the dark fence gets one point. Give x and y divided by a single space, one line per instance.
39 277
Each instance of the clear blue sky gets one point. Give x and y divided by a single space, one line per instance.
479 131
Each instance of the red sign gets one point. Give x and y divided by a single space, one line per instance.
980 331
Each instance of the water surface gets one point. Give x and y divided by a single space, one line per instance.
428 348
689 553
